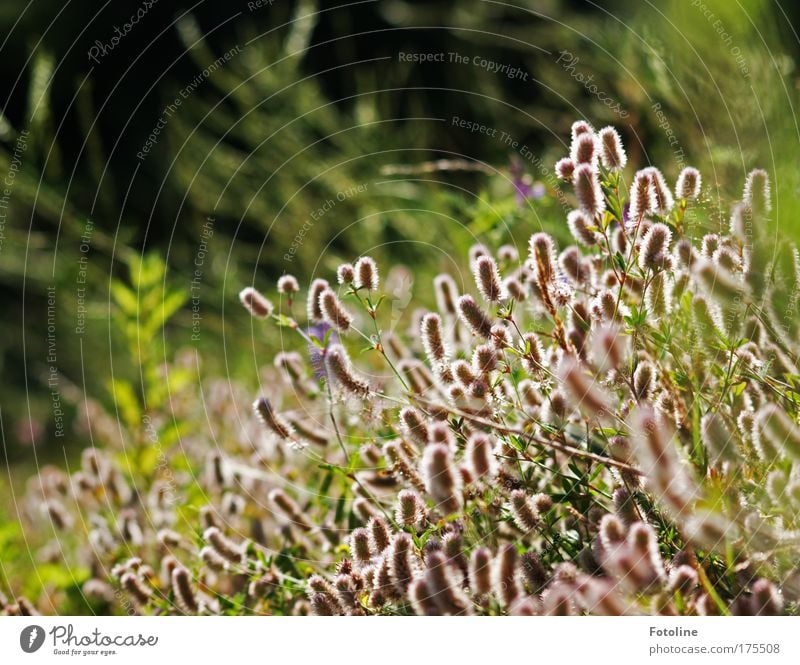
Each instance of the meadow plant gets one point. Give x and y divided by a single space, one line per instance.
608 427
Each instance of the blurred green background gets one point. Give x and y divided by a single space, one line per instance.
282 106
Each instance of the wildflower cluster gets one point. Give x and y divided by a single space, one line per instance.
608 427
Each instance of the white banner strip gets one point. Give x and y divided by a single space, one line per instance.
399 640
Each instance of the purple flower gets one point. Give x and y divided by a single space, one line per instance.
626 215
315 354
524 187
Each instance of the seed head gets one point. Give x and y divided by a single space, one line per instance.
487 278
463 373
588 190
345 274
421 598
543 257
324 605
366 274
479 456
440 432
360 548
432 339
480 572
583 149
663 197
645 570
515 289
741 224
271 419
136 588
417 375
574 266
589 397
500 337
688 184
477 251
290 363
644 380
775 434
526 517
400 463
580 127
504 575
643 199
765 599
255 303
473 316
609 347
414 425
659 461
289 508
446 292
717 437
443 586
579 224
532 354
507 254
364 509
222 545
333 312
183 590
410 509
211 558
565 169
683 578
307 431
313 306
340 368
756 193
612 154
402 562
654 252
378 535
442 482
685 253
484 359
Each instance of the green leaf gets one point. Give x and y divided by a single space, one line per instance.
126 402
124 298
